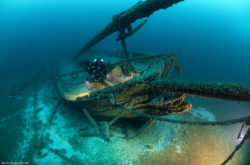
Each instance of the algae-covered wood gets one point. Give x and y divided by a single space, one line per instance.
143 98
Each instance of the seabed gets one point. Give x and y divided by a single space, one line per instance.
59 142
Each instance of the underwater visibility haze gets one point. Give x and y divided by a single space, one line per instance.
125 101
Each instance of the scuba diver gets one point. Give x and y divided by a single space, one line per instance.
97 70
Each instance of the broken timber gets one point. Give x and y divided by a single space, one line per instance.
216 90
126 18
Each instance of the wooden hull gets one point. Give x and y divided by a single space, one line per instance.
141 98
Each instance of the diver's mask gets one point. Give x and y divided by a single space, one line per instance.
97 70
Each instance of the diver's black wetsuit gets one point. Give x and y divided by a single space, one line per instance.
97 70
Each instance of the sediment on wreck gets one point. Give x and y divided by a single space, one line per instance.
216 90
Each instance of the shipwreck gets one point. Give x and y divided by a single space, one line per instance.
139 84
